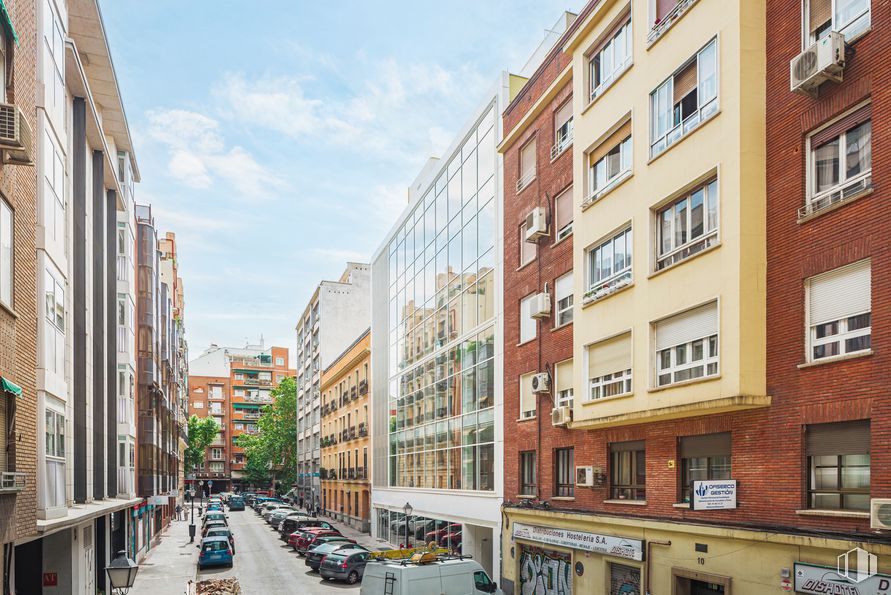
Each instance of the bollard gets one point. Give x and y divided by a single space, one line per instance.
191 532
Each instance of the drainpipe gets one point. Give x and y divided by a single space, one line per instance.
647 570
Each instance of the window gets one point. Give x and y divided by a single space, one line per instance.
840 160
703 457
839 311
198 405
527 165
623 579
528 481
564 473
216 453
563 386
528 325
54 434
562 128
527 397
217 467
688 225
5 253
687 345
482 582
528 250
54 329
609 163
216 392
628 470
850 17
609 266
685 100
610 59
279 361
563 213
609 368
53 212
838 465
563 299
54 66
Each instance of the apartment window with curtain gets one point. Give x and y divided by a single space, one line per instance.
528 250
628 471
562 128
609 368
838 460
688 98
563 387
703 457
687 345
688 225
528 480
609 163
839 311
610 58
840 160
563 214
563 296
54 445
850 17
564 473
527 165
528 325
527 397
6 219
54 313
609 265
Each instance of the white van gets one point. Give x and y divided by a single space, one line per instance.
442 577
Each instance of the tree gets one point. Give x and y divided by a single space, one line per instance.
272 452
202 431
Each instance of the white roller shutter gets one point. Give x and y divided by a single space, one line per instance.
527 160
840 293
610 356
687 326
563 373
563 287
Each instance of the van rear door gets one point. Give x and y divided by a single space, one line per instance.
457 579
422 579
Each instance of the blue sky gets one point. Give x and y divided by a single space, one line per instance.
277 139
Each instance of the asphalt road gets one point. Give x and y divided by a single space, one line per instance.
265 565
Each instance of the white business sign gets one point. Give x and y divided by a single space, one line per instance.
821 580
714 494
159 500
621 547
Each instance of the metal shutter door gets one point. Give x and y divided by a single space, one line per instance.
687 326
840 293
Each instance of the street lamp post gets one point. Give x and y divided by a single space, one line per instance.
192 516
121 573
407 510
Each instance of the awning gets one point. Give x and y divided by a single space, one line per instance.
6 384
7 22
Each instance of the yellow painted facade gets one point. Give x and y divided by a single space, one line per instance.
728 144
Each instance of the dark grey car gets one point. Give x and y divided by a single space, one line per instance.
344 565
314 555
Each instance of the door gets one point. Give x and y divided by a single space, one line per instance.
704 588
89 562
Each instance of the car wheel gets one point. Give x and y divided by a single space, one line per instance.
353 577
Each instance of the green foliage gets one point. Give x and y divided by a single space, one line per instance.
272 453
202 431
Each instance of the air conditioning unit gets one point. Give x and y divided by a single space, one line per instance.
880 513
822 61
560 416
541 383
584 477
541 305
536 224
15 135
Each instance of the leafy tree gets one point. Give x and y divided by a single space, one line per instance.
202 431
272 453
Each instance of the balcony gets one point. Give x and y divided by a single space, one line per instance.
363 388
353 394
363 430
351 433
351 473
12 482
664 24
361 473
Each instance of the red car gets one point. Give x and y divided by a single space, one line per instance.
301 539
451 540
440 533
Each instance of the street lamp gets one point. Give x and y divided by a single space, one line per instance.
407 510
121 573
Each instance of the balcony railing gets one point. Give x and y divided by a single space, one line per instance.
526 179
662 25
837 196
363 387
363 430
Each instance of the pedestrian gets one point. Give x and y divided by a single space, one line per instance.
179 512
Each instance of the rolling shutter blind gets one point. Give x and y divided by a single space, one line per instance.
527 159
563 287
663 7
820 12
831 132
844 438
527 398
610 142
687 326
706 445
685 81
563 209
627 446
610 356
563 114
840 293
563 371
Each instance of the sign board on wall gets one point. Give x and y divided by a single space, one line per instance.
820 580
50 579
714 494
621 547
159 500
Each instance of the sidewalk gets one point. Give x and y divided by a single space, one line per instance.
170 565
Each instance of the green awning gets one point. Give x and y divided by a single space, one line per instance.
6 384
7 23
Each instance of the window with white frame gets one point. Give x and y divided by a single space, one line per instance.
840 156
562 128
611 58
563 214
839 311
54 433
216 392
850 17
216 453
609 163
53 212
685 100
6 218
279 361
609 265
54 313
54 65
198 404
687 345
527 397
609 367
688 225
217 467
563 387
528 250
528 325
563 289
216 408
527 165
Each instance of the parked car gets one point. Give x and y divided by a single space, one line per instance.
328 539
346 565
215 515
269 505
316 553
299 540
463 577
294 522
236 503
215 551
439 533
451 541
222 532
314 539
281 511
261 501
213 525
